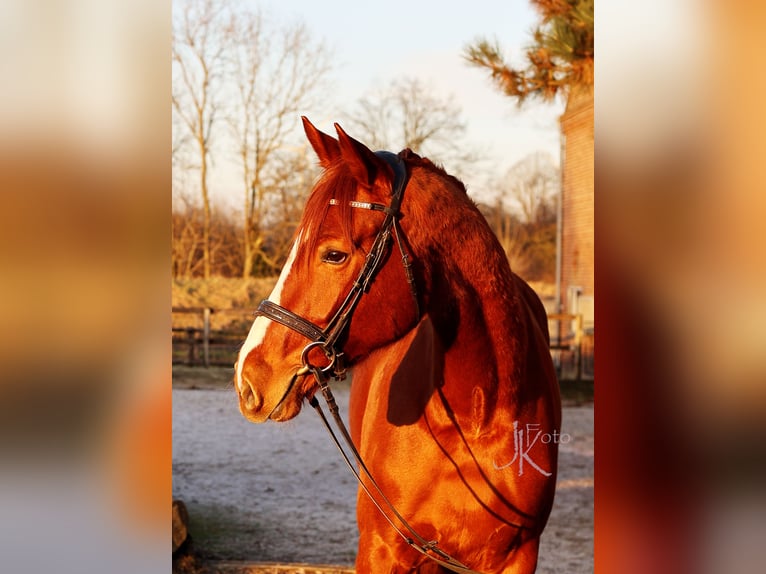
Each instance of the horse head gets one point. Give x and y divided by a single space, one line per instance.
338 234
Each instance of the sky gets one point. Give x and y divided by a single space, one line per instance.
377 42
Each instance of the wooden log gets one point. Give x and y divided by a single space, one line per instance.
180 524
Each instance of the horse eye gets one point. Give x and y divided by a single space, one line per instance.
334 257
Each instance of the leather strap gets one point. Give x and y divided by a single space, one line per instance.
429 549
291 320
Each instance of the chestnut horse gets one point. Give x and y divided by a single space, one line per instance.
454 402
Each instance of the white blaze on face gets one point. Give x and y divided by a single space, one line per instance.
258 330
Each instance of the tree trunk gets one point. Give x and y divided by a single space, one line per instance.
247 229
247 253
205 211
253 201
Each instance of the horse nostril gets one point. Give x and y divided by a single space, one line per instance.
251 399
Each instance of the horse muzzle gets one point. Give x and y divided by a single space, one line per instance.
275 402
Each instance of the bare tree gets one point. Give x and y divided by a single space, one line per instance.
513 234
198 70
523 216
225 244
288 185
277 72
408 114
186 238
225 241
530 184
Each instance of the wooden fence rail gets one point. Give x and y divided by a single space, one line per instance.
197 341
571 346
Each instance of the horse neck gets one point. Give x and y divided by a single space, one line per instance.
478 314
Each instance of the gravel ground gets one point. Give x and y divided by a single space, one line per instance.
281 493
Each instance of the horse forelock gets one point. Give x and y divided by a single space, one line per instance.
336 183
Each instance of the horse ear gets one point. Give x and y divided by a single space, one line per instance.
325 146
362 162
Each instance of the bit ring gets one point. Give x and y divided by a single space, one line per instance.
329 353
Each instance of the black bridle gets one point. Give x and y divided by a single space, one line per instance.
328 338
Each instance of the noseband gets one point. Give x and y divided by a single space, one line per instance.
328 338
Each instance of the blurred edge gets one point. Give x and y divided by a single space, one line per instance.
681 275
85 446
84 296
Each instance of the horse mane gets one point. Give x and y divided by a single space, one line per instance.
413 159
336 182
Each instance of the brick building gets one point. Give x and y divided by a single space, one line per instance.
577 206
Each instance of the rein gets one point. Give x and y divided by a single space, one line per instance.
327 339
427 548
